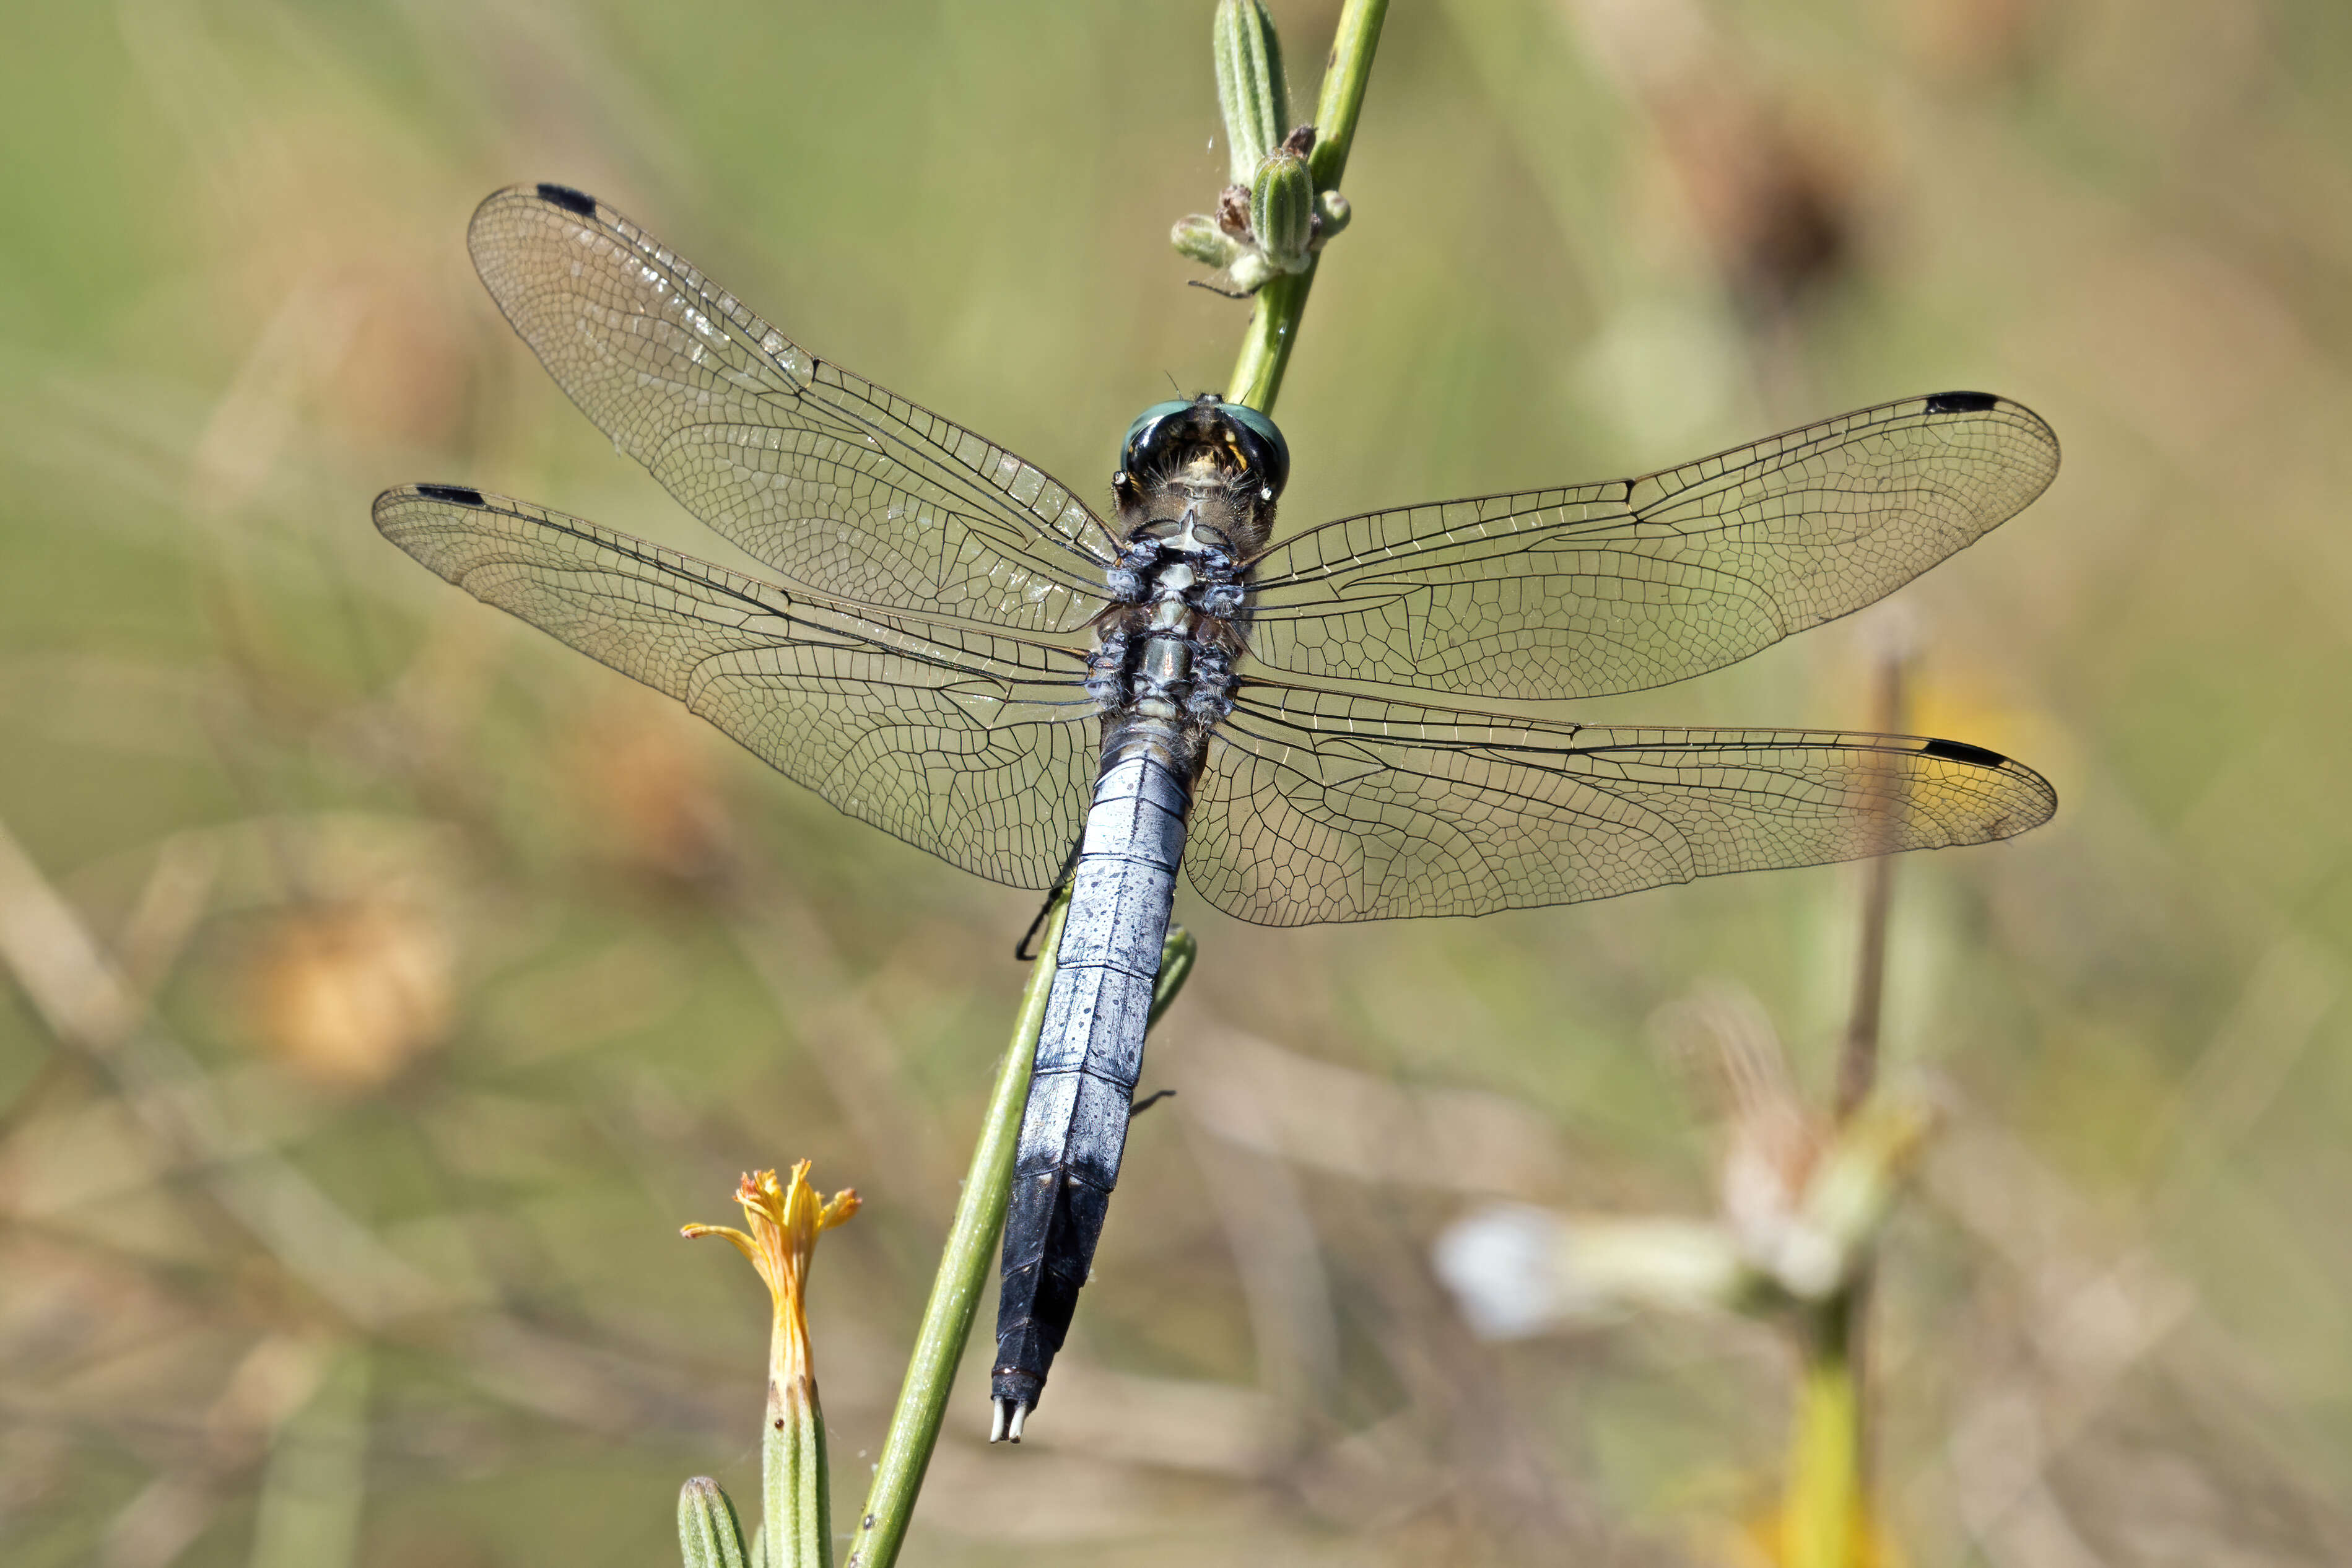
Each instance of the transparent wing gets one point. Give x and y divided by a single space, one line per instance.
978 747
1323 805
833 481
1634 582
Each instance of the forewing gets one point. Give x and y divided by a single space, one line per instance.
836 483
1630 584
977 747
1321 805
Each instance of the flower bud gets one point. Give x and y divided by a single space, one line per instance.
1331 214
708 1535
1282 210
1249 274
1199 237
1250 92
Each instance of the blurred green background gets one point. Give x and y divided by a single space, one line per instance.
387 982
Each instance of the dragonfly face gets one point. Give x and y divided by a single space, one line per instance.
954 647
1246 442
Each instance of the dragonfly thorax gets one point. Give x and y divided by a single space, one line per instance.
1196 503
1202 505
1165 649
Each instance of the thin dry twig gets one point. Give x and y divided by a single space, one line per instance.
1858 1062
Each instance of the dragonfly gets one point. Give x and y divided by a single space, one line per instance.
955 647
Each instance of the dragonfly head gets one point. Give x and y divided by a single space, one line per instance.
1168 435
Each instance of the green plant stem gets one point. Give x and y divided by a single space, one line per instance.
1822 1522
962 1281
1266 350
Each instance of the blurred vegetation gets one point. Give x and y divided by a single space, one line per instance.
387 982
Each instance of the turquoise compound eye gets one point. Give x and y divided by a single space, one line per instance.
1242 430
1149 418
1273 463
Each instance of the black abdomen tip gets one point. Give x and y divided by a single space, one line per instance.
460 494
1939 402
1961 752
569 200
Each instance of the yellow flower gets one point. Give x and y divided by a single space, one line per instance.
785 1218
